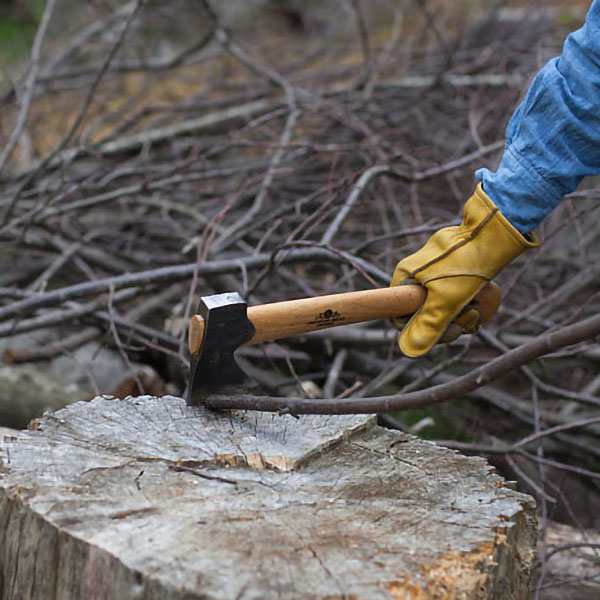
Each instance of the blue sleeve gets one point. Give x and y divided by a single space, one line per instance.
553 139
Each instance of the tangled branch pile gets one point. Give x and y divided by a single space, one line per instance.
161 153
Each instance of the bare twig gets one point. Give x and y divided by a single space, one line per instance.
29 87
440 393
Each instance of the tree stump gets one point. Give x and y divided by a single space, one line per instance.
146 498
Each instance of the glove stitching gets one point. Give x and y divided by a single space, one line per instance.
472 234
520 238
451 275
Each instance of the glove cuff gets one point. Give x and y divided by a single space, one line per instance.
482 199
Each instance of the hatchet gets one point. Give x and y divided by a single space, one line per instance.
225 323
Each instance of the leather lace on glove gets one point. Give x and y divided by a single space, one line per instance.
454 264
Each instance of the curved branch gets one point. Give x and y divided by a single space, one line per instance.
565 336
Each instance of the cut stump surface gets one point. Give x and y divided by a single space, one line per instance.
147 498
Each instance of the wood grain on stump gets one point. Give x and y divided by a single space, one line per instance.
147 498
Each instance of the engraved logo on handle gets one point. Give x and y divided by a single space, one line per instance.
327 318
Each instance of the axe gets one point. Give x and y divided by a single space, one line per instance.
226 322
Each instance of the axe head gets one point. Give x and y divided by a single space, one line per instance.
226 328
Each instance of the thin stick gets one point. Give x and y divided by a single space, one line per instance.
34 67
487 373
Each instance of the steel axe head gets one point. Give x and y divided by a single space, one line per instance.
226 328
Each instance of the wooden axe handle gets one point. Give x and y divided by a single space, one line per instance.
284 319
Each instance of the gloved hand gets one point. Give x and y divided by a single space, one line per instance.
454 264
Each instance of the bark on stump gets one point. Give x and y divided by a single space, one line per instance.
146 498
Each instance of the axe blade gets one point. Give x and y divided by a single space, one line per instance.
226 328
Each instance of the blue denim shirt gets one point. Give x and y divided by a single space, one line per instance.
553 138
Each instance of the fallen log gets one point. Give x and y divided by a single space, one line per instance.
571 558
147 498
7 431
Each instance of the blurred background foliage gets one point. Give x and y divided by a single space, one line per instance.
18 23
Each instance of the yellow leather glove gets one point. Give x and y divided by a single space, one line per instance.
454 264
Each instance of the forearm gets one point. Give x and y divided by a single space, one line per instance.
553 139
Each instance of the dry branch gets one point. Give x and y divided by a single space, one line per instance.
479 377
